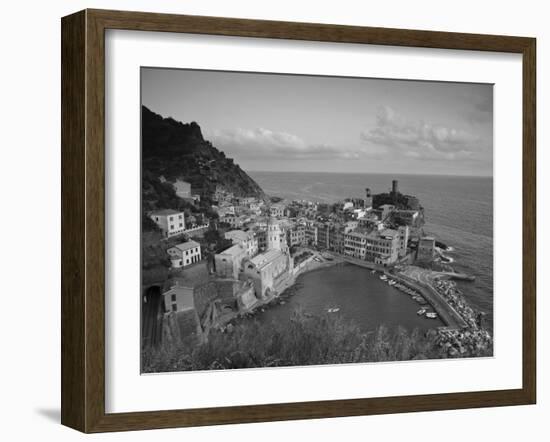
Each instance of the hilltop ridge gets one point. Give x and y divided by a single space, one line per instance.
178 151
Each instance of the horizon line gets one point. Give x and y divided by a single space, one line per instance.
369 173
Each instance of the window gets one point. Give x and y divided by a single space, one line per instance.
181 225
174 307
173 298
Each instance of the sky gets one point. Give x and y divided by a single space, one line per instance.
279 122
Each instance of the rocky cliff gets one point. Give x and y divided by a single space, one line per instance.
175 150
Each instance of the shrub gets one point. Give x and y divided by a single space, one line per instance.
303 340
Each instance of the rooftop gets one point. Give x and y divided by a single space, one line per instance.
266 258
187 245
389 232
239 235
165 212
233 250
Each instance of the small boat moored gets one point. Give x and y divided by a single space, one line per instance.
431 315
421 312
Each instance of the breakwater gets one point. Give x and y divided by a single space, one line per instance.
448 315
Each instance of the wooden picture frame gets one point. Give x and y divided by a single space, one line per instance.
83 220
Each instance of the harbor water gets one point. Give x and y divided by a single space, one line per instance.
458 211
356 294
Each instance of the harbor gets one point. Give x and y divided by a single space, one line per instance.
354 293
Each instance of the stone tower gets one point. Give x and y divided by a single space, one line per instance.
368 199
395 187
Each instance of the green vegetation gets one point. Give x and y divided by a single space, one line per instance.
155 262
304 340
179 151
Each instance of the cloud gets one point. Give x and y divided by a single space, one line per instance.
267 144
394 135
481 111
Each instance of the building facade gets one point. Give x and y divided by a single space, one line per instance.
229 262
403 240
246 239
171 222
266 270
276 235
183 189
355 244
277 210
178 299
382 247
426 249
185 254
296 235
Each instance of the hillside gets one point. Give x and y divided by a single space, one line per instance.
178 151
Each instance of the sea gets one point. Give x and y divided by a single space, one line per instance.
458 211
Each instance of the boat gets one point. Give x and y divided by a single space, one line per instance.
333 310
421 312
383 277
392 282
373 271
431 315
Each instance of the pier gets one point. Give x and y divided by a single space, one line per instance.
448 315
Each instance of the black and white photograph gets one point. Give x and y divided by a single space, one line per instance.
296 220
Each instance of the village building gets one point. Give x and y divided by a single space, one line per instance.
183 189
229 262
426 249
225 208
311 233
185 254
348 205
178 298
407 217
246 239
382 247
403 240
222 195
386 211
234 221
277 210
323 235
255 208
296 235
246 200
267 270
336 238
171 222
355 244
276 234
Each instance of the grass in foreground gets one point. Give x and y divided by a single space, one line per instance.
303 340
